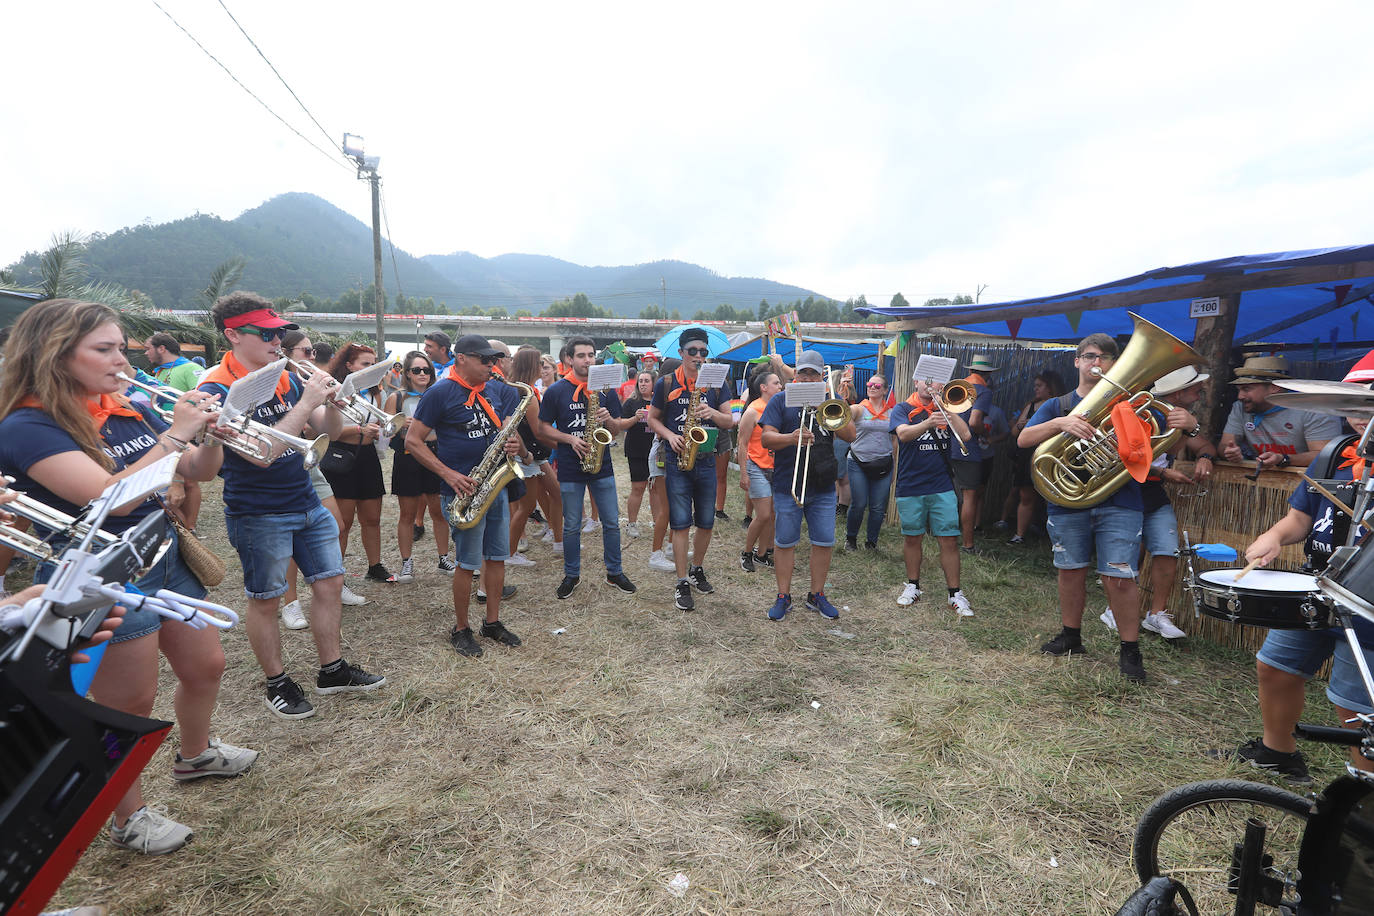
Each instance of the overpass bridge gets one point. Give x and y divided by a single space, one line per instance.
636 332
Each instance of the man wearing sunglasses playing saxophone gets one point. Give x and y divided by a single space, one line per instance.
273 514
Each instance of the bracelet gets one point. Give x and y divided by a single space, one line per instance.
178 448
181 442
1193 433
1208 457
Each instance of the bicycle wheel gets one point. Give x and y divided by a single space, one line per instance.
1192 833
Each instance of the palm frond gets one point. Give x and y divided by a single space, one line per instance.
222 280
62 268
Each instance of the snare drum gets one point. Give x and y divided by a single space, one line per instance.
1262 598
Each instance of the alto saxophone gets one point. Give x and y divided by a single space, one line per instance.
493 472
693 435
597 436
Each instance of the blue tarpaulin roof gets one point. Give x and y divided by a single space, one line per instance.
836 353
1287 297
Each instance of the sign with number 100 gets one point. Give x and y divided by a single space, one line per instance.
1208 307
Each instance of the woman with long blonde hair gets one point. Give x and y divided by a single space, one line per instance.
65 435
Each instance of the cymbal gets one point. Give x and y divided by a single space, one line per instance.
1320 396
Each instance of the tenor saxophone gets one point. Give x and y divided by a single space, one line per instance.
597 436
493 472
693 435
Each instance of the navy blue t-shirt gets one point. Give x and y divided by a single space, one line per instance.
280 488
1128 497
982 401
560 409
921 467
820 474
29 435
673 412
1319 541
464 430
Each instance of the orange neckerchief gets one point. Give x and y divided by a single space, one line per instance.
496 371
231 370
975 379
107 407
868 406
683 383
1352 461
579 388
474 394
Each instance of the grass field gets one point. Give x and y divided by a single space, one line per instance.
949 768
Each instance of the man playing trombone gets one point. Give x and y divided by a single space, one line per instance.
272 512
804 469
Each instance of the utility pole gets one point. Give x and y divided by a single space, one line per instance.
367 171
664 283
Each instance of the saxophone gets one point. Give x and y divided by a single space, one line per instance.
493 472
597 436
693 435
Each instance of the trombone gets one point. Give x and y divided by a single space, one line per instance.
957 396
358 410
832 414
251 439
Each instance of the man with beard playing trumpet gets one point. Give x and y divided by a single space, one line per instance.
466 414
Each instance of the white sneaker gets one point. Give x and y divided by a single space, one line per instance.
590 525
348 598
548 536
517 560
219 759
534 529
668 550
657 560
522 546
292 617
150 831
632 529
1108 618
557 548
1163 624
960 604
406 574
909 595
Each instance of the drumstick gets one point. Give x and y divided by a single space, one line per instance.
1336 502
1248 566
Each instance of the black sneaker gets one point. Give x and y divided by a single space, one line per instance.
507 593
1290 766
746 522
419 532
720 514
497 631
348 679
765 558
377 573
536 516
1062 645
567 586
746 561
622 582
697 576
288 701
684 600
841 510
851 544
1132 665
870 545
463 642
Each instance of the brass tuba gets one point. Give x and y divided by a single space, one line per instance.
1080 473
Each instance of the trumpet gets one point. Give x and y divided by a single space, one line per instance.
832 414
157 394
957 396
44 516
358 410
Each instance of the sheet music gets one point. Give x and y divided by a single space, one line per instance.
248 392
804 394
155 478
606 375
712 375
936 369
364 379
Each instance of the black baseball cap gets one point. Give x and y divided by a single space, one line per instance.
474 345
692 334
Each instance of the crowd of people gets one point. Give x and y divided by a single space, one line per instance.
460 413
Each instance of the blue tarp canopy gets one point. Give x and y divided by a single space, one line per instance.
1289 297
837 353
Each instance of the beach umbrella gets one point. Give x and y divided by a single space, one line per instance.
716 341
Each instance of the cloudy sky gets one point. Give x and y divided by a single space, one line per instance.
857 148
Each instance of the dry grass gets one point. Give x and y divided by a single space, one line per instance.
583 771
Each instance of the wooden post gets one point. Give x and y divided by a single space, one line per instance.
1213 339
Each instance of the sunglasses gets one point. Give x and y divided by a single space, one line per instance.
875 384
421 370
696 351
267 334
307 352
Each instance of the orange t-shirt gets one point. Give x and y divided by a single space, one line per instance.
761 456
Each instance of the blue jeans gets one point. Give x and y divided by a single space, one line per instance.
266 543
819 513
603 496
691 496
489 539
866 494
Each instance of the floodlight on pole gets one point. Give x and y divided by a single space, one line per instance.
353 146
367 170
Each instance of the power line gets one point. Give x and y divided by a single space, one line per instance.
231 75
396 271
329 138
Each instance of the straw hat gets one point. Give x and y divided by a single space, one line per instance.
980 364
1177 381
1260 370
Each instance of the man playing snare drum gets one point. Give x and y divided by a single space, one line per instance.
1289 658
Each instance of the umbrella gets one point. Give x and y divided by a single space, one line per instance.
716 341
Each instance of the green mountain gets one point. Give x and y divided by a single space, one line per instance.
299 243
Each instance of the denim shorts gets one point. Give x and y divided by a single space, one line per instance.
936 513
1113 531
489 539
1302 652
819 513
760 481
1161 531
691 495
267 543
169 572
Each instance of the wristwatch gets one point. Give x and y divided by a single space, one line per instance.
1284 461
1193 433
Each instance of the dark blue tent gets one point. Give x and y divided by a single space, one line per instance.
1316 297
